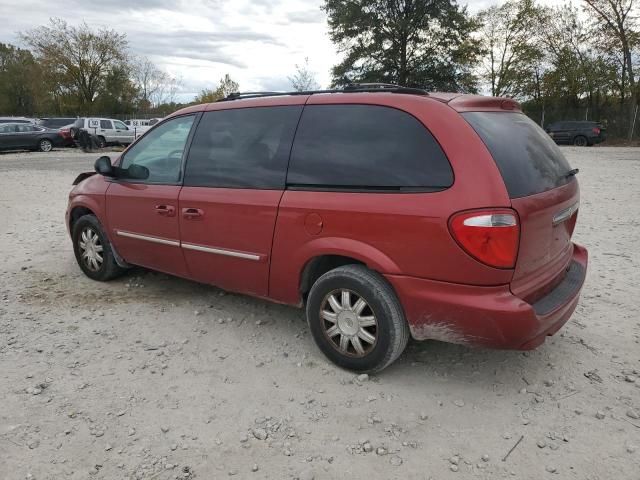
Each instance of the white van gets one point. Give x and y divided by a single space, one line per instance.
108 131
141 126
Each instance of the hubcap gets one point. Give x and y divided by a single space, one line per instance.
45 146
91 249
349 323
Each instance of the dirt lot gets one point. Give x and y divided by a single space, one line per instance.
152 377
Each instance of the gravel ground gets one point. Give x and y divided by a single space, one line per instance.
154 377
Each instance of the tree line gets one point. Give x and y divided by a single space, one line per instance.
559 61
572 62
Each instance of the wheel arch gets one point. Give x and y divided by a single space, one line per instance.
78 211
331 253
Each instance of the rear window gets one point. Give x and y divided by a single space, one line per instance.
528 159
366 147
242 148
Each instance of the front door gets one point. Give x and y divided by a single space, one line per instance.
9 136
143 214
123 134
233 184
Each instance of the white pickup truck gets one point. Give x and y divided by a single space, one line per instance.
108 131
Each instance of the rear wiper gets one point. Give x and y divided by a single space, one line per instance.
571 173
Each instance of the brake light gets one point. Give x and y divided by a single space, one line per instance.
490 236
596 130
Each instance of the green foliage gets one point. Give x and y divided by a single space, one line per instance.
18 76
77 60
225 88
416 43
511 47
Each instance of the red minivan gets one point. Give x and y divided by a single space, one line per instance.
384 211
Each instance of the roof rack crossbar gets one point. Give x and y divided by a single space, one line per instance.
349 88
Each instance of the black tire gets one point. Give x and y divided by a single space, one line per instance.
391 331
107 268
580 141
102 142
45 145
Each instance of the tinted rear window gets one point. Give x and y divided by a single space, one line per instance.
242 148
529 160
366 147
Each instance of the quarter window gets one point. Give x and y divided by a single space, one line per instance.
242 148
366 147
161 151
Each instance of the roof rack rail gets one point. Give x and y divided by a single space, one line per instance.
349 88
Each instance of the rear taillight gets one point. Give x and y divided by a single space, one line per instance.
596 130
490 236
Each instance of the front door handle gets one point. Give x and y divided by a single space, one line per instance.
166 210
192 213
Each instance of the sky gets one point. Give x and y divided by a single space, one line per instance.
257 42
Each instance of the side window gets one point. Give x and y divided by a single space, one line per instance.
105 124
6 129
161 150
242 148
366 146
25 128
119 125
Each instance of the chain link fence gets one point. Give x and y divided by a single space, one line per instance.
616 119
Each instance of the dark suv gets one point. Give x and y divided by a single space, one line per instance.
385 212
578 133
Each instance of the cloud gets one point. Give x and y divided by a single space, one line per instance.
306 16
257 42
197 45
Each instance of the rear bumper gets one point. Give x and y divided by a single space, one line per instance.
488 316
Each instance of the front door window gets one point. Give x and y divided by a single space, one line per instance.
161 151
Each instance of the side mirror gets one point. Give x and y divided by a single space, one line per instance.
137 172
103 166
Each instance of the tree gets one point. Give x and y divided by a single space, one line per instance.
416 43
18 75
508 36
618 19
77 59
225 88
303 79
155 86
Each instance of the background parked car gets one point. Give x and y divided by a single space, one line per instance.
579 133
62 124
141 126
108 131
55 122
25 136
16 120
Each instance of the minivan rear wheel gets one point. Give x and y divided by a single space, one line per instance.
356 319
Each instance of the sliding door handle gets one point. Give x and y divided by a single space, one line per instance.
192 213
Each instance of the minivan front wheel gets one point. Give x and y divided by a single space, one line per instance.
93 250
356 319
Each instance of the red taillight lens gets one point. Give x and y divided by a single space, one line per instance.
596 130
490 236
